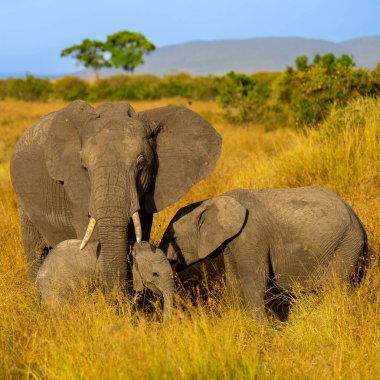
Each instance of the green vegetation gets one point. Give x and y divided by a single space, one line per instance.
117 87
331 335
70 88
244 98
300 96
311 89
89 53
125 49
29 89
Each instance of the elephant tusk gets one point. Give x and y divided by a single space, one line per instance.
137 225
87 235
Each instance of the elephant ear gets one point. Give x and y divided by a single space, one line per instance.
222 218
62 157
187 149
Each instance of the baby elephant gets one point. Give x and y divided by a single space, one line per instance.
304 236
66 267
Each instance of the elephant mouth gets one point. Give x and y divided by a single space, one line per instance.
92 224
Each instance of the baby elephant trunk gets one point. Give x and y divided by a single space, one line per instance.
168 295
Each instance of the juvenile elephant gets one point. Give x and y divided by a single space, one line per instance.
303 236
84 172
67 267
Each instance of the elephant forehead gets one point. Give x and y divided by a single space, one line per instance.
115 142
131 125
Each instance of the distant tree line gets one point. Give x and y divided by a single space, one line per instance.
113 88
302 95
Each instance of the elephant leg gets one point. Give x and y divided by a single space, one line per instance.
35 247
247 277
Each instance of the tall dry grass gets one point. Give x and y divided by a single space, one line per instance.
334 335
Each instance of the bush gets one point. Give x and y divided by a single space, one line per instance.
29 89
242 97
149 87
204 88
70 88
312 89
123 87
176 85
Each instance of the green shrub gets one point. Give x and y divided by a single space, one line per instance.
124 87
70 88
149 87
3 89
176 85
312 89
204 88
28 89
184 85
243 98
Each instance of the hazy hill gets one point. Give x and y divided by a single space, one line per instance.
249 55
258 54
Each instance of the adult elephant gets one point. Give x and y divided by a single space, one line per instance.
84 166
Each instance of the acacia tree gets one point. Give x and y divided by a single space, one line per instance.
89 53
127 49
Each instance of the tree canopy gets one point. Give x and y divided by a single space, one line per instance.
125 49
89 53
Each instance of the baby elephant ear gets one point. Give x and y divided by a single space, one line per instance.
187 148
222 219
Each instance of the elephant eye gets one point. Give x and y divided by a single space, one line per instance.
155 274
84 167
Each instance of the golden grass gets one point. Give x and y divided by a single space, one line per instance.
336 335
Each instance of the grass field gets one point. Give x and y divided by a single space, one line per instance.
336 335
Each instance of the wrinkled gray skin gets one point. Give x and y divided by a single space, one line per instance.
67 267
106 162
304 236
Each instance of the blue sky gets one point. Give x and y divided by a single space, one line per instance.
33 32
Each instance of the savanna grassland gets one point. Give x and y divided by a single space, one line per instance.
332 335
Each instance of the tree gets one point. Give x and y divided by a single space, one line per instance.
127 49
90 53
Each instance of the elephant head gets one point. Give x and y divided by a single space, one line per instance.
65 269
199 229
114 163
153 269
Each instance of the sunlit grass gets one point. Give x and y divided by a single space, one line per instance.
336 335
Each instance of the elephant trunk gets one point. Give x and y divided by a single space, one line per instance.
115 201
114 254
168 296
